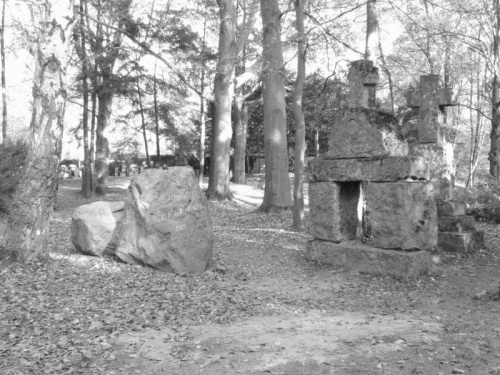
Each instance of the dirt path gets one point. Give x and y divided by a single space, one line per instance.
261 308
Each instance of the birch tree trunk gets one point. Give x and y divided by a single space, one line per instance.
218 185
4 88
29 219
277 194
298 115
494 155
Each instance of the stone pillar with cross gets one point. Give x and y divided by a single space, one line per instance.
456 230
372 206
431 100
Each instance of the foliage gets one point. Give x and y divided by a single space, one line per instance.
483 201
12 155
322 97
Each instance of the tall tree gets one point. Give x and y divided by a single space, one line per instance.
298 115
218 185
277 194
371 30
242 92
494 157
107 47
80 37
33 202
229 49
3 87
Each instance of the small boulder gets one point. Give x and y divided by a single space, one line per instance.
93 227
167 223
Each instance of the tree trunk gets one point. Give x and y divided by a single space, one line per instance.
157 119
105 104
240 138
494 156
201 155
387 72
371 30
4 88
92 158
33 203
218 184
87 190
298 115
316 143
143 121
277 195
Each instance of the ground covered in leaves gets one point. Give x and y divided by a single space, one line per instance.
261 308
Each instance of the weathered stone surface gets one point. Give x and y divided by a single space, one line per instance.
450 208
167 223
400 215
378 170
93 227
439 159
460 223
364 133
363 79
356 256
431 98
333 209
465 242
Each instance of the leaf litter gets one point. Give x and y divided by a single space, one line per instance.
64 316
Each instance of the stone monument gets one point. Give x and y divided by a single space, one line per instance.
456 230
164 223
167 223
372 206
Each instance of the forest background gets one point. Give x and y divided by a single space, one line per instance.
148 79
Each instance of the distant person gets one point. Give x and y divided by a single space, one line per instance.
72 170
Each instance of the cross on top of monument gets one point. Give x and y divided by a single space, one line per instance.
363 79
430 98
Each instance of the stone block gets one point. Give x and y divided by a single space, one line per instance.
364 133
334 210
379 170
400 215
354 255
465 242
460 223
450 208
439 158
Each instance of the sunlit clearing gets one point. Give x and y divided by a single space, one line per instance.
69 187
89 262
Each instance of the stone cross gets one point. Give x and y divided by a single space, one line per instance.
363 79
430 98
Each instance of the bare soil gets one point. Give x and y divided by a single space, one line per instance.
261 308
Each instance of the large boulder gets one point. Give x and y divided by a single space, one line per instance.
93 227
167 223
